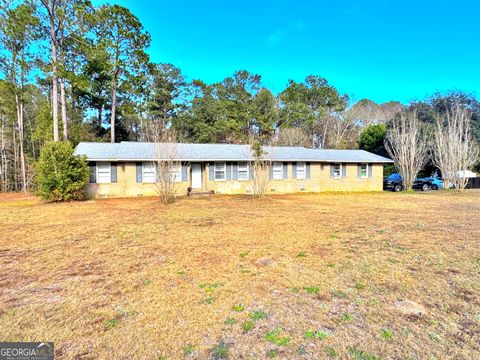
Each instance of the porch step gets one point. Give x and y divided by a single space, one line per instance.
196 193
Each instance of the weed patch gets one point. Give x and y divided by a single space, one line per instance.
277 337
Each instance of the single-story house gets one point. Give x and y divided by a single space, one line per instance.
129 168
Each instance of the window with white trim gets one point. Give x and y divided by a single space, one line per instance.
337 171
301 170
177 172
104 173
363 171
277 171
243 171
220 171
149 174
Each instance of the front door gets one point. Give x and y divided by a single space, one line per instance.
196 176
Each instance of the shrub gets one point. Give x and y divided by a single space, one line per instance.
61 176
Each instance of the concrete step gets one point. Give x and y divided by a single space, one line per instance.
199 193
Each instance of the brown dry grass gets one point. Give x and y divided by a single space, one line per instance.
132 278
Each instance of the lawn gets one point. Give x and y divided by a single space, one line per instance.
288 277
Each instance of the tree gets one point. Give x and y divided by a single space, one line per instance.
442 103
237 96
292 137
73 25
309 104
17 37
61 176
265 111
50 6
165 91
454 150
341 130
407 146
205 119
120 34
372 139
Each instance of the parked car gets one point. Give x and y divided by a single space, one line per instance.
433 183
394 183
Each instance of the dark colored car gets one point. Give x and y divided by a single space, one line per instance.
422 184
393 182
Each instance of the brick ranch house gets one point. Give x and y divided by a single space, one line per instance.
128 168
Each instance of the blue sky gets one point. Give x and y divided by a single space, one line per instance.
377 49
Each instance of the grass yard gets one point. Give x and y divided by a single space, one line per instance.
287 277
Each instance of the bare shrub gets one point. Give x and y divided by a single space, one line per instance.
165 163
261 167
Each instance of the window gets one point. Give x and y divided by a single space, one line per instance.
301 173
337 171
277 171
149 173
104 174
242 171
177 172
220 171
363 171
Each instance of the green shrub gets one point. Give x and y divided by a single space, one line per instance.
61 176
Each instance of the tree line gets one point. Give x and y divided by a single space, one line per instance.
73 71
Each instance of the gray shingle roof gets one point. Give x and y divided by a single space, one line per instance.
142 151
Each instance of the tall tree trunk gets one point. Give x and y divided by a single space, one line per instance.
99 116
53 40
63 97
114 105
3 160
23 170
15 161
64 109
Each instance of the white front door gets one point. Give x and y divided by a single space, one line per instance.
196 176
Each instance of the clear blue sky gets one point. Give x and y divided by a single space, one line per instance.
377 49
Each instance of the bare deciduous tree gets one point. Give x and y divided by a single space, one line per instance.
342 131
260 166
407 146
293 137
454 150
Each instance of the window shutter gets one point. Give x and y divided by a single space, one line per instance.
294 170
251 170
359 170
307 165
113 172
235 171
184 172
211 171
344 170
369 166
228 170
285 171
139 172
93 173
270 171
331 171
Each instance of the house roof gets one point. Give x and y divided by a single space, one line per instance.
143 151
